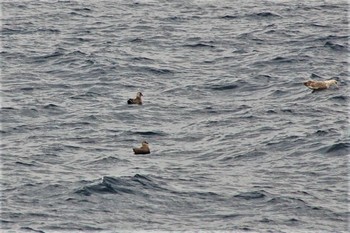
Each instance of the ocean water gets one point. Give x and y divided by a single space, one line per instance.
238 143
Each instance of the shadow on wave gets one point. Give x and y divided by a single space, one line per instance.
142 185
149 133
153 70
264 14
136 185
336 47
226 86
337 149
110 160
199 45
252 195
279 60
245 156
258 15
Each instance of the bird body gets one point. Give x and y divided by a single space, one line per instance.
137 100
144 149
320 85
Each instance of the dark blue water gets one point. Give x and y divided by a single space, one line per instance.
238 143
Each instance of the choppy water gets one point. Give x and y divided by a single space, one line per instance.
237 142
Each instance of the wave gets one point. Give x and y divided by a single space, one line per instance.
319 25
48 30
29 229
322 133
85 96
25 164
341 98
45 57
73 227
141 59
53 108
229 17
142 186
135 185
225 87
298 205
106 160
280 93
251 155
137 40
153 70
82 9
50 106
77 53
27 89
7 108
267 14
174 18
338 149
285 200
199 45
330 6
149 133
330 38
336 47
313 75
264 14
281 60
252 195
79 13
11 31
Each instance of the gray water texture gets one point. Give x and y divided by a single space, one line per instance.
238 143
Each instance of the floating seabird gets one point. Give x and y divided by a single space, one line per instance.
137 100
144 149
320 85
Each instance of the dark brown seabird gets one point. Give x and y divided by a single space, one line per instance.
137 100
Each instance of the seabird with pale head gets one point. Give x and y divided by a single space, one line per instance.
137 100
320 85
144 149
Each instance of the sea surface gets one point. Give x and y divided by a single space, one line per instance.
238 143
